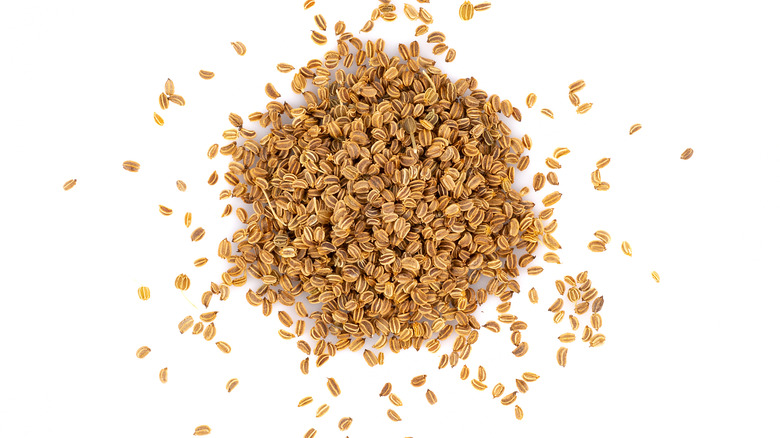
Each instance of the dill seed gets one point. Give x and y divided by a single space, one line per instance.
305 366
479 386
175 98
498 390
656 277
602 236
530 100
69 184
418 381
213 178
322 410
431 397
285 68
410 11
421 30
131 166
164 375
587 334
210 332
202 430
634 128
208 316
533 296
436 37
575 323
425 16
311 432
482 7
197 234
205 74
169 87
567 338
271 92
551 199
333 387
595 321
305 401
239 47
144 293
369 357
163 101
585 107
548 113
598 340
535 270
626 247
574 99
492 326
393 415
142 352
200 262
521 386
159 120
181 186
464 373
344 423
521 349
450 55
188 219
182 282
212 151
443 361
552 257
509 398
576 86
602 163
530 377
559 316
395 400
559 152
223 347
518 412
368 26
481 373
231 384
319 20
386 389
197 328
560 356
466 11
318 39
307 4
339 27
688 153
597 246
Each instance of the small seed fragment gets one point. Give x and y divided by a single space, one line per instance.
688 153
131 166
142 352
634 128
239 47
202 430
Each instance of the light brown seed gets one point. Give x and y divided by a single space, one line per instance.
598 340
200 262
575 323
479 7
187 219
197 234
521 386
395 400
533 296
142 352
208 316
552 163
576 86
602 187
530 377
421 30
144 293
164 375
498 390
535 270
393 415
319 20
587 333
688 153
559 152
656 277
311 433
181 186
560 356
305 366
322 410
466 11
212 151
551 199
69 184
521 349
386 389
595 321
626 247
556 306
602 163
602 236
307 4
205 74
369 357
450 55
548 113
344 423
479 386
464 373
333 387
530 100
271 92
418 381
443 361
574 99
436 37
518 412
202 430
481 373
231 384
223 347
159 120
239 47
163 101
509 398
558 317
368 26
538 181
213 178
567 337
286 68
634 128
597 246
552 257
131 166
431 397
410 11
425 16
175 98
197 328
182 282
318 39
585 107
305 401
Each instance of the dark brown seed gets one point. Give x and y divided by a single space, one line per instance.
271 92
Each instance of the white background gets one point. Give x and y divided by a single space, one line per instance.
692 355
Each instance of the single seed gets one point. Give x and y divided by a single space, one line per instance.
551 257
212 151
551 199
286 68
368 26
597 246
560 356
131 166
200 262
688 153
319 20
598 340
576 86
567 337
159 120
208 316
498 390
559 152
231 384
239 47
479 7
393 415
144 293
481 373
530 100
533 296
205 74
69 184
213 178
509 398
318 39
425 16
602 236
436 37
466 11
339 27
595 321
530 377
142 352
164 375
548 113
464 373
558 317
602 163
163 101
305 401
587 333
418 381
202 430
450 55
197 234
574 99
182 282
585 107
386 389
634 128
431 397
344 423
271 92
575 323
369 357
187 219
223 347
395 400
552 163
181 186
421 30
333 387
479 386
175 98
305 366
626 247
518 412
656 277
197 328
307 4
311 433
322 410
521 349
410 11
443 361
521 386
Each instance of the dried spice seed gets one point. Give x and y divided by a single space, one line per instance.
634 128
656 277
223 347
450 55
393 415
197 328
479 7
311 433
213 178
208 316
164 375
333 387
421 30
479 386
521 349
598 340
69 184
521 386
286 68
551 199
188 219
169 87
481 373
181 186
386 389
602 236
626 247
533 296
576 86
368 26
318 39
131 166
395 400
305 366
567 337
575 323
205 74
231 384
425 16
322 410
530 377
144 293
159 120
597 246
498 390
585 107
200 262
418 381
202 430
560 356
305 401
370 357
688 153
271 92
344 423
518 412
319 20
431 397
182 282
175 98
464 373
142 352
307 4
197 234
602 163
466 11
595 321
574 99
548 113
163 101
239 47
530 100
410 11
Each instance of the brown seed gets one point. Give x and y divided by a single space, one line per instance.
209 332
538 181
197 328
443 361
587 333
595 321
311 433
479 7
551 199
575 323
333 387
69 184
479 386
181 186
322 410
318 39
466 11
634 128
205 74
197 234
492 326
368 26
425 16
431 397
498 390
567 337
574 99
144 293
509 398
386 389
200 262
370 357
558 317
530 100
450 55
551 257
556 306
182 282
188 219
231 384
305 401
560 356
552 163
436 37
208 316
307 4
418 381
344 423
286 68
530 377
602 236
521 349
576 86
535 270
421 30
656 277
223 347
163 101
559 152
395 400
393 415
175 98
131 166
213 178
202 430
688 153
464 373
305 366
481 373
212 151
518 412
239 47
548 113
626 247
602 163
597 246
598 340
533 296
319 20
521 386
164 375
142 352
271 92
585 107
410 11
159 120
602 187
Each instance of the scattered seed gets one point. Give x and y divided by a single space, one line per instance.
602 236
368 26
393 415
223 347
518 412
142 352
163 101
307 4
386 389
418 381
202 430
131 166
551 199
182 282
576 86
188 219
498 390
575 323
585 107
318 39
626 247
410 11
466 11
421 30
521 386
271 92
164 375
319 20
322 410
598 340
481 373
531 100
450 55
425 16
567 337
634 128
344 423
547 113
561 356
533 296
333 387
69 184
395 400
305 401
509 398
311 432
656 277
602 163
159 120
239 47
688 153
479 386
481 7
369 357
231 384
175 98
597 246
144 293
197 234
213 178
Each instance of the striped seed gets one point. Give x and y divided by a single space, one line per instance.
368 26
286 68
311 433
479 386
602 236
521 349
556 306
518 412
559 316
548 113
559 152
596 321
305 366
212 151
538 182
436 37
181 186
597 246
239 47
509 398
395 400
576 86
481 373
228 209
450 55
575 323
69 184
431 397
464 373
530 100
182 282
271 92
585 107
202 430
598 340
144 293
600 164
305 401
551 199
656 277
634 128
418 381
466 11
213 178
163 101
131 166
386 389
307 4
231 384
200 262
535 270
159 120
479 7
602 187
421 30
552 257
208 316
443 361
322 410
285 318
205 74
574 99
175 98
210 332
567 338
319 20
318 39
530 377
552 163
369 357
284 334
169 87
498 390
187 219
440 48
410 11
425 16
587 334
344 423
626 247
560 356
197 234
197 328
688 153
333 387
533 296
223 347
393 415
521 385
164 375
142 352
492 326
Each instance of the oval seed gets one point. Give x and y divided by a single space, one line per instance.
142 352
585 107
656 277
311 432
202 430
186 324
509 398
482 7
530 100
223 347
567 337
200 262
368 26
271 92
600 164
602 236
182 282
551 199
418 381
159 120
333 387
498 390
479 386
286 68
560 356
518 412
393 415
576 86
305 401
431 397
634 128
597 340
626 247
205 74
548 113
533 296
197 234
319 20
307 4
187 219
466 11
131 166
344 423
318 38
521 385
688 153
164 375
530 377
597 246
178 100
395 400
231 384
305 366
69 184
144 293
386 389
239 47
163 101
322 410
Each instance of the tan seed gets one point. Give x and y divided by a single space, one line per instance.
626 247
131 166
368 26
656 277
498 390
200 262
271 92
186 324
164 375
223 347
509 398
393 415
344 423
585 107
431 397
395 400
175 98
602 187
386 389
479 7
182 282
595 321
159 120
560 356
521 349
305 401
535 270
187 219
213 178
202 430
576 86
163 101
307 4
212 151
436 37
425 16
518 412
319 20
481 373
530 377
479 386
538 181
418 381
521 386
602 236
552 257
464 373
597 246
421 30
144 293
333 387
231 384
410 11
533 296
574 99
369 357
142 352
551 199
548 113
318 39
197 328
559 152
598 340
530 100
239 47
634 128
450 55
466 11
552 163
602 163
286 68
197 234
558 317
169 88
69 184
322 410
567 337
205 74
305 366
688 153
575 323
311 433
208 316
